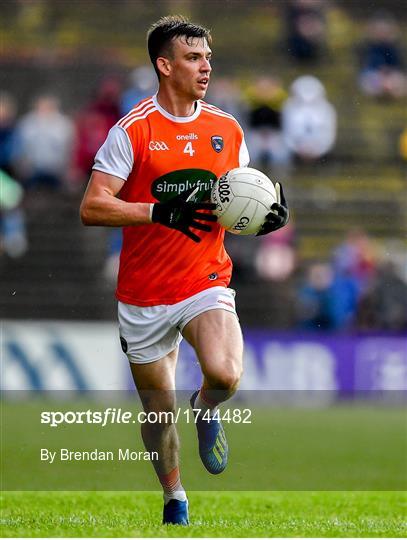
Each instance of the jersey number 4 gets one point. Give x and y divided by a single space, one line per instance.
189 149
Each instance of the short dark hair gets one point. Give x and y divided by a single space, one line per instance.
162 32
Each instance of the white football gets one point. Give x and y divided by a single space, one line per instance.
243 198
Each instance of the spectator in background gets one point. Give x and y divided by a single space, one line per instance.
225 94
8 111
381 71
276 255
44 144
327 300
13 239
306 29
107 100
383 305
308 120
265 141
357 256
330 295
92 126
143 83
314 299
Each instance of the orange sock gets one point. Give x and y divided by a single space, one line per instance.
204 403
171 483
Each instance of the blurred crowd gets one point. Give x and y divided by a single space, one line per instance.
361 286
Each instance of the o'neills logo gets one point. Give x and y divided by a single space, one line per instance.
174 183
189 137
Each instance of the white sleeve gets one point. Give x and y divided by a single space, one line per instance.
244 157
115 156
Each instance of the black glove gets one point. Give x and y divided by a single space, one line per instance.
275 221
181 214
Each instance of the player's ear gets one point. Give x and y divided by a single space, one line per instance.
163 66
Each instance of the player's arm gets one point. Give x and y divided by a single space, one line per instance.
101 206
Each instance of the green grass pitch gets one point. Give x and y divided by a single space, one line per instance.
229 514
356 451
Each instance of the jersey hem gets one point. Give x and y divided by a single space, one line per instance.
167 301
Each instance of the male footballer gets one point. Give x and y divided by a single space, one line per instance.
152 176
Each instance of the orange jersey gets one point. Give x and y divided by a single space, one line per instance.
163 156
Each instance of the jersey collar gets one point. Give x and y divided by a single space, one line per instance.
179 119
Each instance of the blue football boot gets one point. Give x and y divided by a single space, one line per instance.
213 447
176 513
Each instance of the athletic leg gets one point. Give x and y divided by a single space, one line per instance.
217 340
155 383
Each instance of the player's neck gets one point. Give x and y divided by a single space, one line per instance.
174 104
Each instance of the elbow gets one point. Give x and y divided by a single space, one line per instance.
85 214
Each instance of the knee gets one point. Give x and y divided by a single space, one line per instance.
227 377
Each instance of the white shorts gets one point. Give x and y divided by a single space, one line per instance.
150 333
